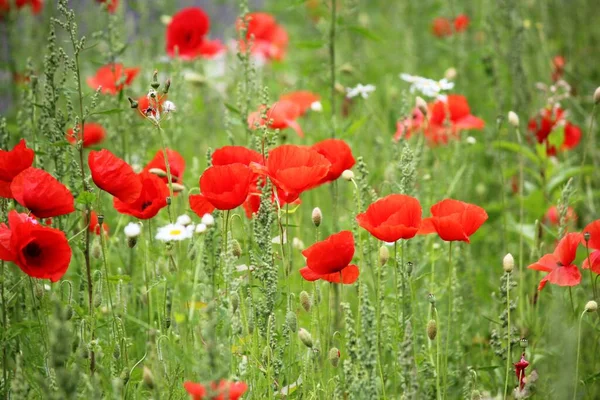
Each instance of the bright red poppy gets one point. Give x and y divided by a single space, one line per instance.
152 198
112 4
226 186
280 115
330 260
548 122
453 220
39 251
221 391
36 5
112 78
593 262
200 205
146 108
236 154
392 218
446 118
593 230
269 39
302 98
92 134
553 218
42 193
12 162
559 264
293 170
461 23
115 176
186 35
176 164
339 155
94 226
441 27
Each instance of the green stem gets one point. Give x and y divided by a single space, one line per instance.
332 64
168 167
508 356
449 327
578 354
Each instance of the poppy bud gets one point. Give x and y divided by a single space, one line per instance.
236 249
348 175
334 356
347 69
508 263
597 96
292 321
161 173
148 377
340 89
96 250
591 306
100 219
523 343
513 119
384 255
167 86
317 216
177 187
431 298
586 236
431 329
235 301
450 74
305 301
132 103
131 242
69 312
305 338
208 220
421 105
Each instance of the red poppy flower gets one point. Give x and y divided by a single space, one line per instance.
39 251
112 4
114 175
293 170
36 5
339 155
94 226
186 35
520 370
200 205
441 27
392 218
12 162
152 198
280 115
112 78
453 220
42 194
302 98
236 155
593 262
176 164
461 23
269 39
330 260
593 230
559 264
558 64
547 122
226 186
92 134
553 218
221 391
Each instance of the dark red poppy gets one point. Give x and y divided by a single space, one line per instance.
461 23
520 370
269 39
547 122
330 260
36 5
453 220
94 226
392 218
593 262
226 186
112 78
280 115
559 264
302 98
112 4
441 27
293 170
39 251
186 35
593 231
12 162
176 164
92 134
152 198
446 118
42 194
221 391
115 176
339 155
553 218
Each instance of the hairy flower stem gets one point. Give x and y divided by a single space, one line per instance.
4 330
397 283
508 357
578 354
449 327
521 221
168 167
332 65
224 250
200 246
147 277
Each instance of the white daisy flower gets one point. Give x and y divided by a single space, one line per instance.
208 220
173 232
132 230
360 90
427 87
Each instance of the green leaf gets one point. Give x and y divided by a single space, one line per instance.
233 108
365 33
86 198
518 149
310 44
557 137
567 173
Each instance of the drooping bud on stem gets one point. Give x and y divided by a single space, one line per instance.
513 119
334 356
431 329
305 338
305 301
317 216
597 96
132 103
155 83
591 306
384 255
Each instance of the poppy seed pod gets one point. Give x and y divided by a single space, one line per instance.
597 96
513 119
587 236
508 263
317 216
305 301
591 306
334 356
384 255
305 338
431 329
421 104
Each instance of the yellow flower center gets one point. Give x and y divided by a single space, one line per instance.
175 232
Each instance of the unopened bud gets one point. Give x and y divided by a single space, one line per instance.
235 301
340 88
431 298
450 74
236 249
169 200
305 338
523 343
132 103
161 173
431 329
591 306
292 321
597 96
305 301
167 86
177 187
508 263
131 242
384 255
586 236
513 119
348 175
334 356
148 377
421 105
317 216
96 250
100 219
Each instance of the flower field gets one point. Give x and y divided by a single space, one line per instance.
303 199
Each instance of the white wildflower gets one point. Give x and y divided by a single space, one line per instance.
360 90
316 106
172 232
132 230
427 87
201 228
169 107
184 220
208 220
